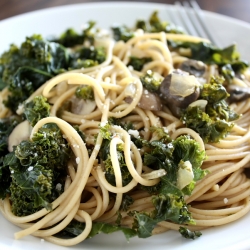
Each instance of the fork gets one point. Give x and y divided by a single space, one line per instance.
191 17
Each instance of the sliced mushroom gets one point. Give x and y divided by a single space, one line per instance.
237 93
20 133
178 90
82 107
148 101
193 67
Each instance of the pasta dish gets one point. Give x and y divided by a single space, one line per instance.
142 131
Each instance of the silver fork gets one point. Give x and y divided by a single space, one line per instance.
190 16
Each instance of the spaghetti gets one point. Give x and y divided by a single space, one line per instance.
221 197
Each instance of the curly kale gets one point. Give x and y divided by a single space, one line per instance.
6 127
71 38
122 32
138 63
26 68
186 233
87 57
36 168
5 178
75 228
36 109
168 199
155 24
215 122
151 81
84 92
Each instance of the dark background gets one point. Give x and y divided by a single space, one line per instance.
239 9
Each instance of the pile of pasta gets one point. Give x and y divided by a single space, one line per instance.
220 198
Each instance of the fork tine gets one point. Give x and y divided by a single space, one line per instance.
186 23
192 19
199 15
196 23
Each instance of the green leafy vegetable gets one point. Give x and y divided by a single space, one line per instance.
155 24
168 199
228 59
186 233
36 109
5 178
75 228
215 122
138 63
151 81
36 168
6 127
85 92
122 32
28 67
87 57
71 38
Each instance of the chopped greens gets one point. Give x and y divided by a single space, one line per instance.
75 228
122 33
151 81
227 59
155 24
85 92
6 127
36 109
138 63
36 167
166 154
87 57
71 38
215 122
26 68
186 233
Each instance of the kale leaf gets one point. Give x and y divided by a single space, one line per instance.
228 59
155 24
122 32
186 233
84 92
138 63
215 122
36 109
168 199
151 81
87 57
36 167
26 68
75 228
71 38
6 127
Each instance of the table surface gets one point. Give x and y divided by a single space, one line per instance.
235 8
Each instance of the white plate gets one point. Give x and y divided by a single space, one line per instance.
54 21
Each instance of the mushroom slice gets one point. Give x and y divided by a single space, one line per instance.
178 90
194 67
148 101
20 133
238 93
82 107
